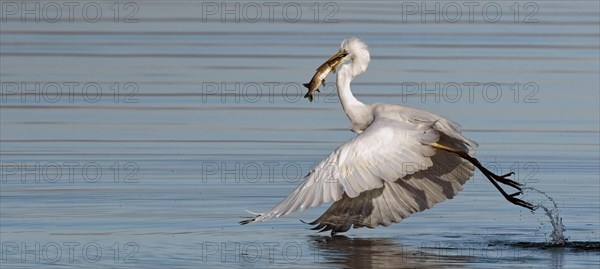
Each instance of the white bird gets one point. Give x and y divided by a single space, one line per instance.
403 161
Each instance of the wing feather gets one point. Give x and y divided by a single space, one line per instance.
385 174
396 201
377 155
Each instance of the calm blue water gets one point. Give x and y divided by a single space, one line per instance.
137 138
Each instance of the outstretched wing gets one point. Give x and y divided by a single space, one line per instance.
396 201
386 151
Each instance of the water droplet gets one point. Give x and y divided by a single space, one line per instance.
557 237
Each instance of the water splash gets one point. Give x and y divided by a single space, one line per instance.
557 237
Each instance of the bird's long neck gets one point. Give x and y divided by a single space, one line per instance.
357 112
344 78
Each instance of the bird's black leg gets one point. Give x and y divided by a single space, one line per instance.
492 177
502 179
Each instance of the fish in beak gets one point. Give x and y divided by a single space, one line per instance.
327 67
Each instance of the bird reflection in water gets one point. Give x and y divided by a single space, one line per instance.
382 253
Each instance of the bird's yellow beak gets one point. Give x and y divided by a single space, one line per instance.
339 54
337 59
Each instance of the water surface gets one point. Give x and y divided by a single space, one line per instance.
144 141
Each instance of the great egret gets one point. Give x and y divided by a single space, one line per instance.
403 161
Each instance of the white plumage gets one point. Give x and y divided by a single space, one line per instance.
403 161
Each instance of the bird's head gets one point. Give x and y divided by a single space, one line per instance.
355 50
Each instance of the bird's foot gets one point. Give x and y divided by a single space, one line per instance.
512 198
507 181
